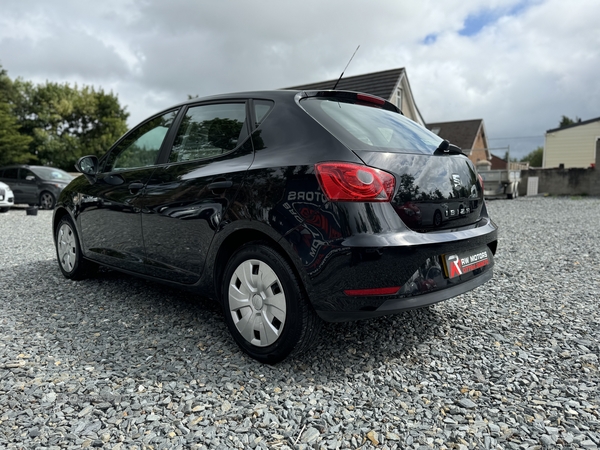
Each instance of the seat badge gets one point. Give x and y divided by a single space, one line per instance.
456 180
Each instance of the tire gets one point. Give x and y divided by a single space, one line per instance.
265 308
47 200
68 252
3 210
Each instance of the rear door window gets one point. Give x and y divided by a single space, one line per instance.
11 174
361 127
261 109
209 130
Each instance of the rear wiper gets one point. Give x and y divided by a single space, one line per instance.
449 149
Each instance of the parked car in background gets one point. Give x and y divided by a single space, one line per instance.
288 207
35 185
7 198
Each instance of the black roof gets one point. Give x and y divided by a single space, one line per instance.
585 122
381 84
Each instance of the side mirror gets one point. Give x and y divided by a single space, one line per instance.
88 166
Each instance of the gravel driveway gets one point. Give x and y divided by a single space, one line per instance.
119 363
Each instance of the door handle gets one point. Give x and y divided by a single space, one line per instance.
222 184
135 186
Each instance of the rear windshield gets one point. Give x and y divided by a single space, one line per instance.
361 127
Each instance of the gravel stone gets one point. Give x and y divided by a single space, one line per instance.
467 403
116 362
311 434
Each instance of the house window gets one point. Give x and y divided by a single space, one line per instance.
399 98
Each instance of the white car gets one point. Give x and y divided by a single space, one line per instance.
7 198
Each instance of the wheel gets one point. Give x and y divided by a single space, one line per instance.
3 210
47 200
515 192
70 258
265 308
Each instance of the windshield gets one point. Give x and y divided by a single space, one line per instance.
51 173
361 127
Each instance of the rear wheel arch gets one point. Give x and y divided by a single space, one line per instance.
242 237
267 311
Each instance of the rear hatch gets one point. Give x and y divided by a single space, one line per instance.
436 185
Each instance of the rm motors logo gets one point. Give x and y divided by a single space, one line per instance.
459 266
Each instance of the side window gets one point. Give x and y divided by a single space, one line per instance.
209 130
11 173
261 109
24 173
141 147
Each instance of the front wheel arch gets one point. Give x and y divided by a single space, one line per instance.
86 267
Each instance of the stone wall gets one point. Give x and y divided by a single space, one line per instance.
563 181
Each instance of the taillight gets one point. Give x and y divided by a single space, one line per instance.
480 180
354 183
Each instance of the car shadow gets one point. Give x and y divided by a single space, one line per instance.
127 326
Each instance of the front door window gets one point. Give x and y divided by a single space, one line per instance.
141 147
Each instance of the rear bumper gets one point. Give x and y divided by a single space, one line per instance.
409 261
396 305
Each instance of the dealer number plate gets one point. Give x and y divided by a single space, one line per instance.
459 264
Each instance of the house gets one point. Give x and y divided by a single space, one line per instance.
391 85
576 145
469 135
498 163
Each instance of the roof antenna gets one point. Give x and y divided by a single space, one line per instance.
336 83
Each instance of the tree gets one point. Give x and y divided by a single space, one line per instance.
566 121
507 157
535 158
67 122
14 146
60 122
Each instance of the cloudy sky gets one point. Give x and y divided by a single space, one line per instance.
518 64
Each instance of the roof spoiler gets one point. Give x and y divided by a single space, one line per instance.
354 97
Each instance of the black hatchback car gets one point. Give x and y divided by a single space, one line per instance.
287 207
35 185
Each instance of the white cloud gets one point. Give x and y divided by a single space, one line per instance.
520 72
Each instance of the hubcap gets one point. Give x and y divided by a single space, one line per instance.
257 302
65 242
46 201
